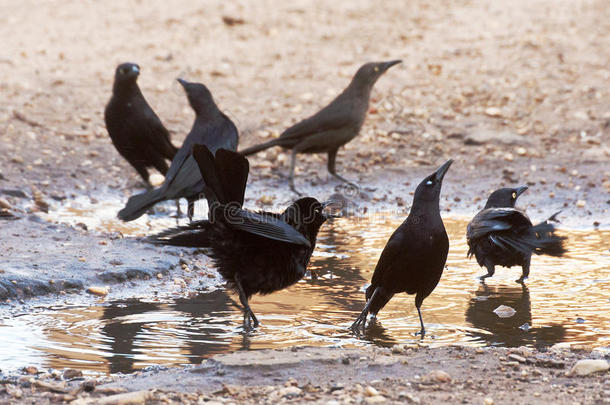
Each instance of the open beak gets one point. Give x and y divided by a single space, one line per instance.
333 208
441 171
520 190
183 82
387 65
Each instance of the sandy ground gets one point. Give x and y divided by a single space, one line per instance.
516 92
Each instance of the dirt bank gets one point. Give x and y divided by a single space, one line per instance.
402 374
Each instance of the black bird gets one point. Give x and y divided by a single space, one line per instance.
255 252
183 180
136 131
334 125
414 257
503 235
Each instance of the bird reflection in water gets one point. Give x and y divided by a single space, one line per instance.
208 328
513 331
122 332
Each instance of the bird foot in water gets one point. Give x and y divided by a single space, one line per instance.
421 333
521 280
359 324
250 321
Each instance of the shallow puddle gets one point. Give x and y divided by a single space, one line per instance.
565 300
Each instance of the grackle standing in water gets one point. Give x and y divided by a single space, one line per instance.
183 180
334 125
503 235
136 131
414 257
255 252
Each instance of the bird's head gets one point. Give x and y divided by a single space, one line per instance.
126 73
307 215
198 95
504 197
368 73
430 187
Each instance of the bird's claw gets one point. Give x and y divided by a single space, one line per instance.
359 323
250 321
294 190
421 333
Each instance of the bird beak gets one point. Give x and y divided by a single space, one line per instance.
440 172
520 190
386 65
135 69
183 82
332 208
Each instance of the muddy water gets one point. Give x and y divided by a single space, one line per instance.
565 300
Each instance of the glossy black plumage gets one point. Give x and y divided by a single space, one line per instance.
136 131
414 257
502 235
255 252
333 126
183 180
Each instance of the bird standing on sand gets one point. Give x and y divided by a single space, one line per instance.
334 125
255 252
183 180
136 131
503 235
414 257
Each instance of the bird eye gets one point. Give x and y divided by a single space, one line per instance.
514 195
376 68
123 71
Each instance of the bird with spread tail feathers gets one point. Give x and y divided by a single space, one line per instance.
255 252
502 235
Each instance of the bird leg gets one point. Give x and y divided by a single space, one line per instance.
293 160
178 210
332 159
491 269
361 320
248 314
526 270
190 210
422 332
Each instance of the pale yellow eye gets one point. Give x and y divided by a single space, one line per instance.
376 68
514 195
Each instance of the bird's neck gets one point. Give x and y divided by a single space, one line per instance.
358 89
206 112
425 211
126 89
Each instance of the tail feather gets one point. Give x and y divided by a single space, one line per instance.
195 234
540 239
205 160
257 148
546 241
225 175
380 300
138 204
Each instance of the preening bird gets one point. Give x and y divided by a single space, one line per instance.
255 252
502 235
333 126
183 180
414 257
136 131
